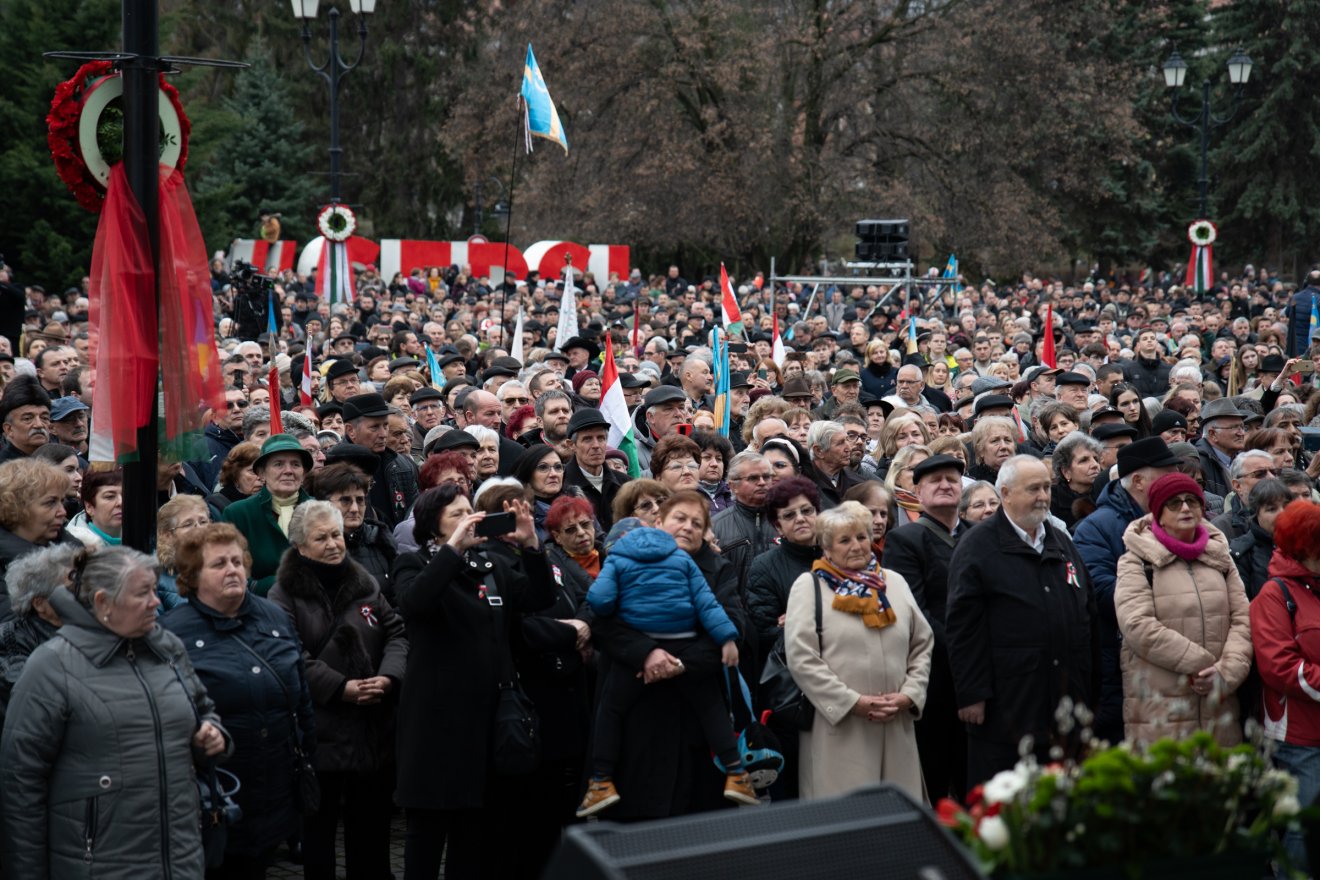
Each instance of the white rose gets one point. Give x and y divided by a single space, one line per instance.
1288 805
993 832
1004 786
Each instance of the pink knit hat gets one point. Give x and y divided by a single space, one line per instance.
1170 485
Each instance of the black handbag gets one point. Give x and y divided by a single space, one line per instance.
306 787
789 708
516 731
218 812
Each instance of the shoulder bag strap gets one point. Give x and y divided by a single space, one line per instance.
820 639
1288 601
935 530
288 697
508 675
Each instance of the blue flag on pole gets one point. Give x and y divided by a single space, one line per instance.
540 117
951 271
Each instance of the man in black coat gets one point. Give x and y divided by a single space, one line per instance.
744 530
920 551
395 487
1020 624
589 432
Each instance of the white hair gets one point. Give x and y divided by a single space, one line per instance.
1008 471
482 434
493 483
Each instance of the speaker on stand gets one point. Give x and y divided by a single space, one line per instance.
874 832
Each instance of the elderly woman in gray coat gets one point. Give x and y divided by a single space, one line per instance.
105 726
29 582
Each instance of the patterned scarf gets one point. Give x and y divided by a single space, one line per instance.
858 592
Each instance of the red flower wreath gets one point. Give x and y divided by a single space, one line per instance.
62 132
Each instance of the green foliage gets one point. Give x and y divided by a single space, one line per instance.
260 161
1269 197
1123 811
44 234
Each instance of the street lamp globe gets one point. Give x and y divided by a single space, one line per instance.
1175 70
1239 68
362 7
304 9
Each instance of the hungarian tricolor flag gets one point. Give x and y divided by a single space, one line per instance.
729 305
615 410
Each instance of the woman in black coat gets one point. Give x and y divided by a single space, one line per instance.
772 574
1252 551
246 652
355 654
549 647
665 768
461 651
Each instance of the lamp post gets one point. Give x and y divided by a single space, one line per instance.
333 70
1175 73
500 209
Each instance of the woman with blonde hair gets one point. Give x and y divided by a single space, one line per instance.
867 673
994 441
878 374
175 519
901 429
900 484
642 499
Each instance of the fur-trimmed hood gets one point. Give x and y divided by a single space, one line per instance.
302 578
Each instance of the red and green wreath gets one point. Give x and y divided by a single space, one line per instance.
85 148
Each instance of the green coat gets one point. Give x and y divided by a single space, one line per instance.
255 518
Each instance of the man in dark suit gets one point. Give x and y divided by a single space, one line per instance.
1020 624
588 431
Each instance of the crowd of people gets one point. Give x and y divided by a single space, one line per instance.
970 521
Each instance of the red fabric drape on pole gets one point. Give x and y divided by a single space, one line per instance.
122 334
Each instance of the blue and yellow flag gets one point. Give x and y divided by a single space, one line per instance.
540 117
723 417
951 271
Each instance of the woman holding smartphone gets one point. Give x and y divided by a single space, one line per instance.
461 602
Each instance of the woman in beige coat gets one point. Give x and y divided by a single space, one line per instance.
869 683
1186 628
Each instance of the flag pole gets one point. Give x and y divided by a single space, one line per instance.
508 219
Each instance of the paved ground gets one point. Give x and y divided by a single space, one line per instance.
287 870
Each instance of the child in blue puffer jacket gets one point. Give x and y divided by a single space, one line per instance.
656 588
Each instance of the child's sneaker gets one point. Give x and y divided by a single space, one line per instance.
601 793
737 788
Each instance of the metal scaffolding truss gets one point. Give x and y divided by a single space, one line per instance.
898 277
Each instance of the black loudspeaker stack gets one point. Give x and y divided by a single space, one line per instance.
873 832
882 241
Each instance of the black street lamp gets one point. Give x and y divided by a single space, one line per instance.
500 210
334 68
1175 72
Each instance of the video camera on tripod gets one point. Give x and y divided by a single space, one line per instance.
252 297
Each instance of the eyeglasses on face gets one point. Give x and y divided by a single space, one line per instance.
647 505
236 404
1262 474
1191 502
546 467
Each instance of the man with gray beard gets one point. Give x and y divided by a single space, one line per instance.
1020 625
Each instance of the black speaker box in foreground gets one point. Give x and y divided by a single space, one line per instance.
873 832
